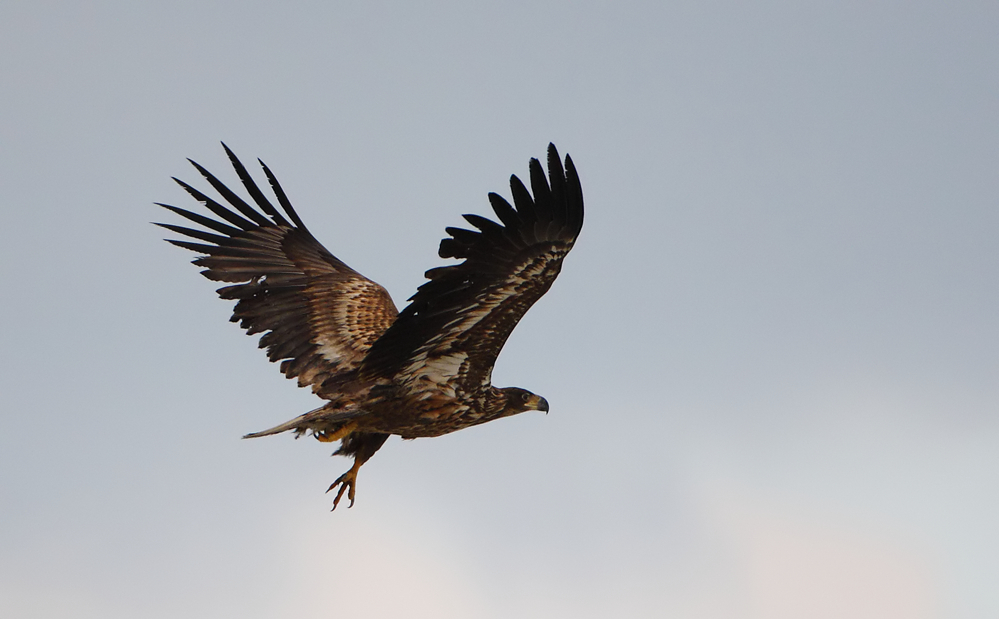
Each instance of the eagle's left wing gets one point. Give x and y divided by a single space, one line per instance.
456 323
319 316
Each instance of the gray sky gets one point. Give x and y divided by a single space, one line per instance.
772 357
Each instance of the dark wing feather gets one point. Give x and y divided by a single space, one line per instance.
456 323
319 317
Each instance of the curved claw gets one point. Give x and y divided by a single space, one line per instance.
362 449
346 482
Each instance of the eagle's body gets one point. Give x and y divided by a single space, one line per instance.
425 371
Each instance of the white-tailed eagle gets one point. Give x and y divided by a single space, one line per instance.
424 371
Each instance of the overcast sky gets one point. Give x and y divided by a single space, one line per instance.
772 357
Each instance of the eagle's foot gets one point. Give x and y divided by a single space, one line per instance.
346 483
338 434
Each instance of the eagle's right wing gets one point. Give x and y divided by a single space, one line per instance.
321 316
455 325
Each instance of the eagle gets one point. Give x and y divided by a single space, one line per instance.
422 372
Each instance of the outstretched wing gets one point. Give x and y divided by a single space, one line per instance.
456 323
320 316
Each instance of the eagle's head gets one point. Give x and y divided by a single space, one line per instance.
519 400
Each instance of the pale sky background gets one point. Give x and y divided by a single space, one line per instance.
772 357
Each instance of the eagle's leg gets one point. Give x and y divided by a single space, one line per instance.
361 445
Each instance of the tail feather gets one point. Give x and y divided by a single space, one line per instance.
294 424
318 419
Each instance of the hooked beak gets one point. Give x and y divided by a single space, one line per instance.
542 405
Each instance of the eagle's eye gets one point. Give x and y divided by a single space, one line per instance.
525 396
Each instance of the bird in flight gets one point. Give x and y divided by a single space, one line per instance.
425 371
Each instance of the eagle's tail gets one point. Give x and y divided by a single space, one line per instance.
294 424
320 420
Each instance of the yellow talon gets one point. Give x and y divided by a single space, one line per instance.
343 431
346 482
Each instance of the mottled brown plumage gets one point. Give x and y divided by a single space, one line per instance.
425 371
